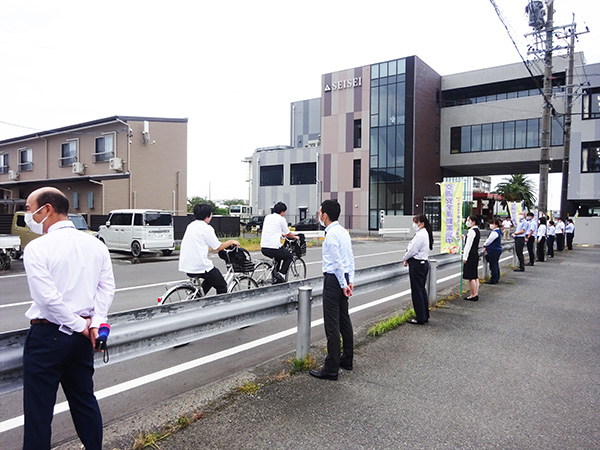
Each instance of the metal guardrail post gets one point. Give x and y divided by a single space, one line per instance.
486 267
432 282
304 310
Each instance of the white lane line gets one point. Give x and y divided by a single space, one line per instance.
137 382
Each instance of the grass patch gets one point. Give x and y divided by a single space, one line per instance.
248 388
390 324
152 439
302 365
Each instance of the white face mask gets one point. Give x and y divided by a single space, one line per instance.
415 226
37 228
469 223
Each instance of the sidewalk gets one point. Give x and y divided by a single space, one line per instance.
520 369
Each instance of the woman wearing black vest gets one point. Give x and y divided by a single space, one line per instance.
493 249
471 258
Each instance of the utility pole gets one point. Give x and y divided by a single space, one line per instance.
568 121
546 112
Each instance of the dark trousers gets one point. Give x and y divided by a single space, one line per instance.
283 258
560 241
212 279
541 249
417 273
569 241
493 259
337 321
531 250
519 245
550 244
51 357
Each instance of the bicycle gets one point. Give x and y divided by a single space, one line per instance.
263 272
235 277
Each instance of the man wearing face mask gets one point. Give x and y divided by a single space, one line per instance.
531 237
519 236
72 286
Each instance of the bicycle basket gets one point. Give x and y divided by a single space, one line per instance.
239 259
298 247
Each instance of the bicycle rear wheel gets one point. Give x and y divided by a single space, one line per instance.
180 293
242 283
297 270
262 273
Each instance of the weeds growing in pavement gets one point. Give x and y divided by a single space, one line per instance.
248 388
391 323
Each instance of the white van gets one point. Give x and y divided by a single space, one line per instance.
139 230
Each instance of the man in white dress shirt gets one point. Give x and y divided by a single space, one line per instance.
72 287
274 228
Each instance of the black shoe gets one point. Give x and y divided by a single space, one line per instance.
279 278
530 264
519 270
415 322
472 299
346 366
323 375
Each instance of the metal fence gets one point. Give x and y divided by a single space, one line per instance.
142 331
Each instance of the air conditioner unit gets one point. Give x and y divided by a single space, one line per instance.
115 164
78 168
13 175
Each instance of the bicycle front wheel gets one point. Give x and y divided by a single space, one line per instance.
297 270
242 283
180 293
262 273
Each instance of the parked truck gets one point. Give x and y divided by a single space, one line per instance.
9 244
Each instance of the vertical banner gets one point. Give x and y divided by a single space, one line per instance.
452 208
514 209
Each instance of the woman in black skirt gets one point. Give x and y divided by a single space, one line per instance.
471 258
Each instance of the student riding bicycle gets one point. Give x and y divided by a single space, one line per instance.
273 229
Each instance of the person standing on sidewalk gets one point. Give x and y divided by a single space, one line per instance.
560 235
531 237
551 238
417 260
72 286
493 249
570 233
338 284
519 236
541 239
471 258
506 226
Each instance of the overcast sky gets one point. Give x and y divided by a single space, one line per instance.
233 67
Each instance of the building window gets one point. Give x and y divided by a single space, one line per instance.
25 159
271 175
4 163
590 157
515 134
76 200
356 174
90 199
68 153
591 104
357 133
304 173
105 148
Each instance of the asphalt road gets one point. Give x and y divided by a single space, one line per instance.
152 395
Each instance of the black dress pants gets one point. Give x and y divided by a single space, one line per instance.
283 258
560 241
417 273
541 249
519 245
337 321
569 241
212 279
493 259
51 357
550 244
531 249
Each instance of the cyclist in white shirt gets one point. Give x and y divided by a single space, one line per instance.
199 237
273 229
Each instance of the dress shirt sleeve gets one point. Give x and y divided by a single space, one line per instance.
414 247
491 238
211 238
335 253
469 243
45 293
351 264
105 293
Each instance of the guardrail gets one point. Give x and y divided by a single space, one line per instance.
142 331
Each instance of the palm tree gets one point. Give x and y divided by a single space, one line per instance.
516 188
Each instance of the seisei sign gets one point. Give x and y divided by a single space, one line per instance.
343 84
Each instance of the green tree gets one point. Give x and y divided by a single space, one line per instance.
516 188
195 200
235 201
